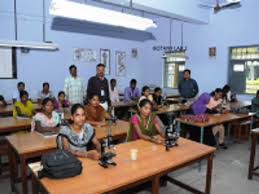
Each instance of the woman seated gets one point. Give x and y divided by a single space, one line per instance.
144 124
47 120
95 113
146 94
77 137
61 102
23 107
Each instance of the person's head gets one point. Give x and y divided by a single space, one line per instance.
21 86
187 74
217 94
73 70
78 114
24 96
226 89
94 100
113 83
145 107
61 96
257 94
100 70
45 87
145 91
133 83
47 105
158 91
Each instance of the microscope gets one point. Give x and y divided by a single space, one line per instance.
106 145
171 136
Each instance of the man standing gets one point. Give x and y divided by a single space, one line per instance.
188 87
131 93
98 84
74 87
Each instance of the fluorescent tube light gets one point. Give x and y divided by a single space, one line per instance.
68 9
25 44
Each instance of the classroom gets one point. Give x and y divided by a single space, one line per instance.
129 96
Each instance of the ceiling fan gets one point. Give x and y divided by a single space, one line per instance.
229 4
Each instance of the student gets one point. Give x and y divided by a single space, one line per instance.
99 85
146 94
23 107
208 104
216 101
157 96
74 87
61 102
95 113
2 102
226 93
144 124
76 137
44 93
131 93
47 120
114 94
16 93
255 104
188 87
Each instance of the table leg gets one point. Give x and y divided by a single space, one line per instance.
209 174
250 130
252 157
178 129
34 183
11 157
155 184
202 135
24 175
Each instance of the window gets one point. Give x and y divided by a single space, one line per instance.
7 63
173 69
244 69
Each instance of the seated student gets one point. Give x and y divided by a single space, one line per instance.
23 107
131 93
208 104
76 137
61 102
44 93
255 104
16 93
144 124
226 93
95 113
114 94
157 96
146 94
47 120
2 102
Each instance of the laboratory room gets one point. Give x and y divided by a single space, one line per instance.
129 96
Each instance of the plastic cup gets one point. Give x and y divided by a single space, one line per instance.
134 154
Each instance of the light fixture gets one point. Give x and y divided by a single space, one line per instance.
68 9
31 45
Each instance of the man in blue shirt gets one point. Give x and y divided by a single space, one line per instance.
188 87
131 93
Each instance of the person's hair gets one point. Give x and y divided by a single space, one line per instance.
144 102
23 93
20 83
46 100
112 80
133 81
2 98
187 70
218 90
75 107
45 84
92 96
100 65
144 89
226 88
61 92
157 89
257 93
71 67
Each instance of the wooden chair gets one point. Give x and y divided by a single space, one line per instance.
252 169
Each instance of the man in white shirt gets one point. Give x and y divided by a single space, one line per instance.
114 94
74 87
45 92
16 93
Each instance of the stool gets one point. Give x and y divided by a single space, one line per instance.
252 169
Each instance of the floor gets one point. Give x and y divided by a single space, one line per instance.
229 174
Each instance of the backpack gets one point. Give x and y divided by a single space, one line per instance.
60 164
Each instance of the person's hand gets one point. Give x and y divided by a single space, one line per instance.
94 155
102 124
158 140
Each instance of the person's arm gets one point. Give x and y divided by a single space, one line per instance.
19 112
66 88
96 144
89 89
196 88
158 128
39 128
